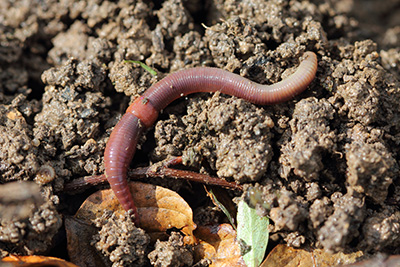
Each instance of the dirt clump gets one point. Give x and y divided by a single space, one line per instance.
171 253
228 132
120 240
311 139
30 221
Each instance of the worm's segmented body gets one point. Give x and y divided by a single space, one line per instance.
143 112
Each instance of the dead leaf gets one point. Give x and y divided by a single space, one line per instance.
380 259
36 261
159 209
283 255
218 243
79 236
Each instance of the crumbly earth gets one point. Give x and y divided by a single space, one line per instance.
120 240
326 162
171 253
227 131
28 220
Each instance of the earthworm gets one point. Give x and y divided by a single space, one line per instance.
143 112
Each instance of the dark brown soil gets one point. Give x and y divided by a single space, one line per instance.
326 162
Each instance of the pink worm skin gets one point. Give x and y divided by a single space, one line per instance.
143 112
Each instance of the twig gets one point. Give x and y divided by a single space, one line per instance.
162 171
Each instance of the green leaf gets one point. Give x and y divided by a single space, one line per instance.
144 66
222 207
252 234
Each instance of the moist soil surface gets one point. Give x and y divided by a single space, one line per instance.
326 163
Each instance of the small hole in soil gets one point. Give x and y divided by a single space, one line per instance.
157 4
198 12
37 89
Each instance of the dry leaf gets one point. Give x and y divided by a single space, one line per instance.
79 236
283 255
218 244
36 261
159 209
380 259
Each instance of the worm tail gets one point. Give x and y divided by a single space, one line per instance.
204 79
118 154
292 85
